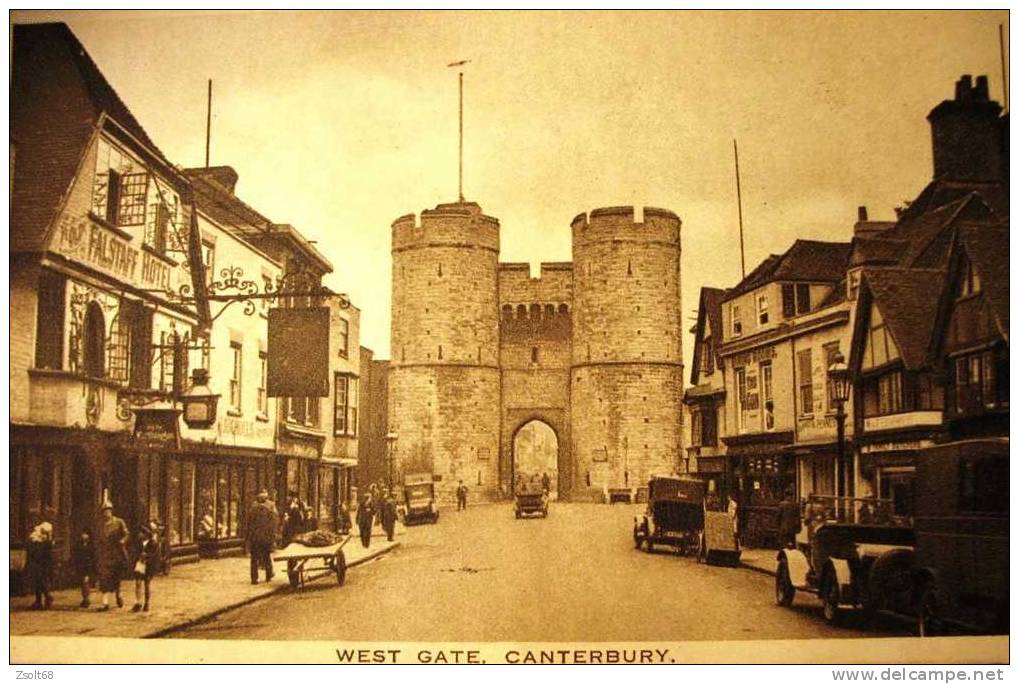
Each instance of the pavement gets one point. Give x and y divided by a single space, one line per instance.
759 560
483 576
191 594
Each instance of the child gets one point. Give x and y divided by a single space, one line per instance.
40 564
145 566
83 559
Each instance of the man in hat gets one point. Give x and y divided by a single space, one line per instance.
40 564
261 528
388 515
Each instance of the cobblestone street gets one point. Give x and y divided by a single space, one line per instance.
481 575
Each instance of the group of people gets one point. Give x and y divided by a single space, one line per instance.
265 525
376 508
104 557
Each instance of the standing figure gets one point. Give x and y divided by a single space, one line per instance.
344 521
146 564
295 517
733 510
546 483
461 496
83 560
261 527
111 555
388 514
39 563
365 516
788 521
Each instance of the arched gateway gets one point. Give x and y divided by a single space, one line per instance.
536 454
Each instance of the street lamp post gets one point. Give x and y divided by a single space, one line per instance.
390 447
839 386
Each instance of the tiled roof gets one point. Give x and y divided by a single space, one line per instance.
709 307
908 301
987 248
805 261
58 96
875 251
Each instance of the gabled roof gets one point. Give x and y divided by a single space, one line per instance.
987 248
58 98
805 261
908 301
709 309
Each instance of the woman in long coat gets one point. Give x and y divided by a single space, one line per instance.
111 555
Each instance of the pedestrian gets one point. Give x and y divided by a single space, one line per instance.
788 521
461 496
261 526
39 563
83 560
733 511
344 522
389 515
111 555
146 564
295 518
365 516
546 483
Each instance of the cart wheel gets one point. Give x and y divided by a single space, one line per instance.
830 600
340 567
293 575
785 592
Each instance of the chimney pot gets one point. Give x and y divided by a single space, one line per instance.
963 87
981 89
861 213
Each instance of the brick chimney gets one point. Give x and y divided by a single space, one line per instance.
966 134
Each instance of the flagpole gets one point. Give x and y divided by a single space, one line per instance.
739 208
461 186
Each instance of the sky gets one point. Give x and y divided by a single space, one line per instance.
339 122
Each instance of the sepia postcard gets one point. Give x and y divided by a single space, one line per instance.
519 337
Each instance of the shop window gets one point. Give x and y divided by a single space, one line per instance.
767 398
328 497
805 381
42 491
830 351
180 494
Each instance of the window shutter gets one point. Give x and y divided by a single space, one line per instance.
49 338
788 301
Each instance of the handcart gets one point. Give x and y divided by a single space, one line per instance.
302 560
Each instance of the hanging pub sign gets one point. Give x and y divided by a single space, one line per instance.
298 363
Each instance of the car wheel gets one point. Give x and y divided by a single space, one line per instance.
929 613
830 602
785 592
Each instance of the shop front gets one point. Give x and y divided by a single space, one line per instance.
763 471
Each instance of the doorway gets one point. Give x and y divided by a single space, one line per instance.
536 455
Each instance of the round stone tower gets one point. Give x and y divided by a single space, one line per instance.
626 379
444 382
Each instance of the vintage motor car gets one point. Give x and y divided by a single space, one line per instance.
961 523
674 515
857 555
531 499
419 499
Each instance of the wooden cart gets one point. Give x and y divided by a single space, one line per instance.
301 560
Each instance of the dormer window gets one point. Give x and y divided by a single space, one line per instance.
795 299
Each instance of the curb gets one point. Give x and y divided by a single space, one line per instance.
755 568
165 631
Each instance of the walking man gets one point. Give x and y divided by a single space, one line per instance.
461 496
365 516
262 523
388 515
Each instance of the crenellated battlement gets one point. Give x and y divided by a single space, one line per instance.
459 224
627 224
